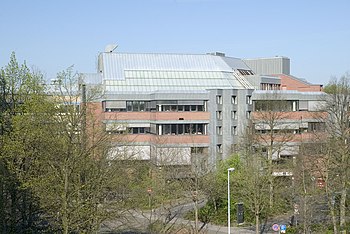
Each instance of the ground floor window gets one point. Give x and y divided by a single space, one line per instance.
199 150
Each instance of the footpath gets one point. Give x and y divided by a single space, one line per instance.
215 229
134 221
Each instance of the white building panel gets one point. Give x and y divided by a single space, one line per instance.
134 152
173 156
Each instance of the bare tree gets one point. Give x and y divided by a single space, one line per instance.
308 186
252 177
272 131
336 160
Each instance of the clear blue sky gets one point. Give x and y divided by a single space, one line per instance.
52 35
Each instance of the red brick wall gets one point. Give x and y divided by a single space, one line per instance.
289 83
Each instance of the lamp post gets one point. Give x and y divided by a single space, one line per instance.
149 191
228 200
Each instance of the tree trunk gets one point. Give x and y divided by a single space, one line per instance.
271 193
342 208
64 202
271 177
13 216
2 206
257 223
305 214
334 220
196 215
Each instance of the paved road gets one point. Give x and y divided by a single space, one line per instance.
139 220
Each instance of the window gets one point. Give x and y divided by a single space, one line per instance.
166 129
218 99
142 106
219 130
234 99
275 105
219 148
107 106
187 128
166 108
196 150
245 72
248 114
135 105
169 107
199 150
180 129
249 100
219 115
173 129
200 128
138 130
129 106
262 131
234 130
234 114
193 128
316 127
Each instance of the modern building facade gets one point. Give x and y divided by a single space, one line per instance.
184 109
292 117
177 109
285 108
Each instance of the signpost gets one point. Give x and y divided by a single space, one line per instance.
283 228
276 227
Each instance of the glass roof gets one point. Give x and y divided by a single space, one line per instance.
148 81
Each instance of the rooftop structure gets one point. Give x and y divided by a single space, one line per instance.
185 109
268 66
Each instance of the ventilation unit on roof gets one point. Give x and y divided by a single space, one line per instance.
217 54
110 48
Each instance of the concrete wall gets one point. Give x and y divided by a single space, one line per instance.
268 66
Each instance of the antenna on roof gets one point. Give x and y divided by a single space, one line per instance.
110 48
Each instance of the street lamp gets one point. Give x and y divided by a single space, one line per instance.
228 199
